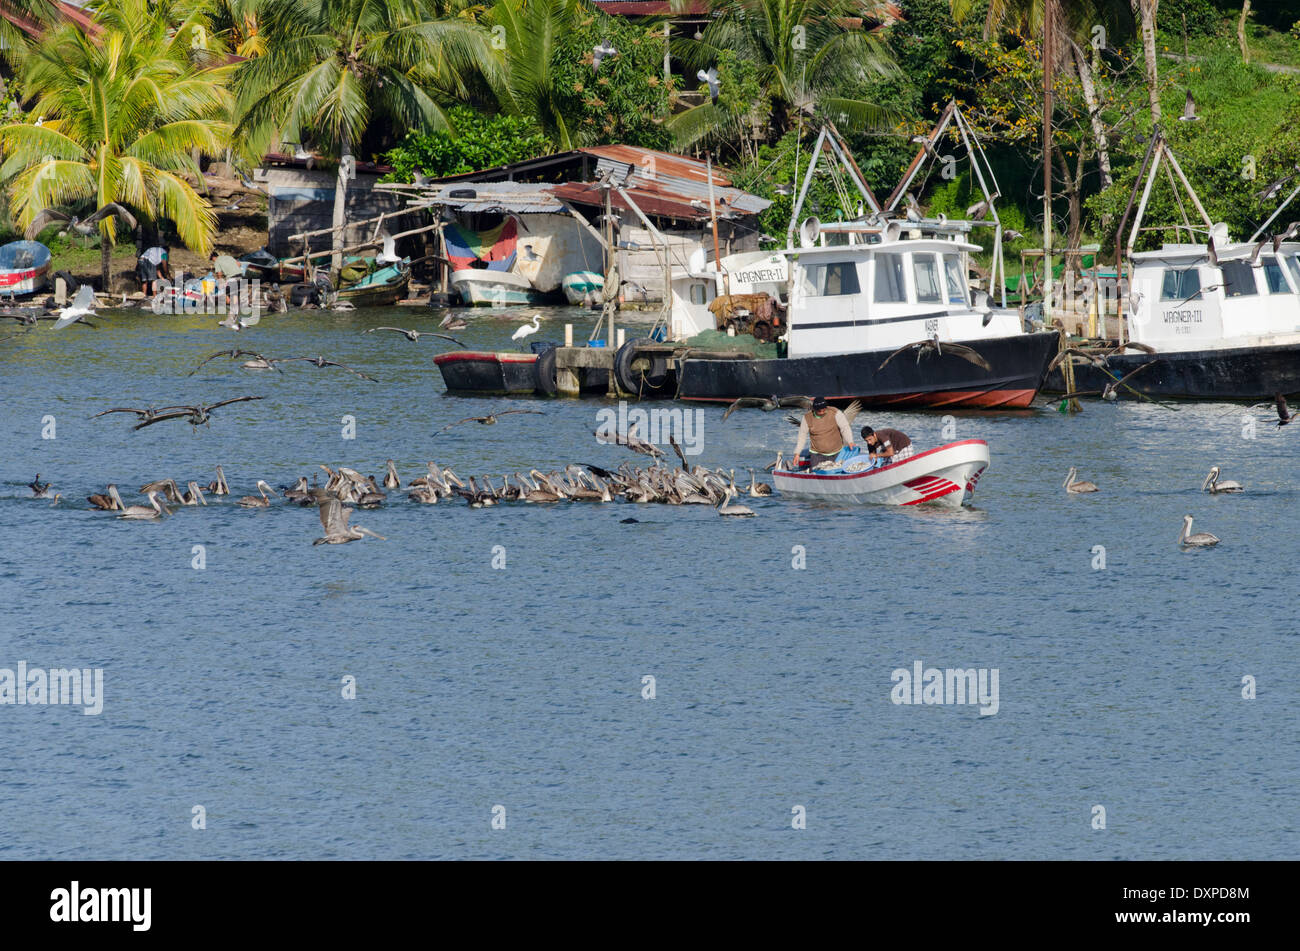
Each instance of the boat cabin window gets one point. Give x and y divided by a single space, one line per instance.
833 279
955 278
1294 261
1238 279
890 288
1274 277
925 270
698 292
1181 284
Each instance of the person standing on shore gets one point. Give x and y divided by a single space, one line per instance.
150 266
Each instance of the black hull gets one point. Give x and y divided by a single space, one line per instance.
487 374
1247 373
1019 367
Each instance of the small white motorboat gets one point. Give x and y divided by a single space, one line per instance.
581 287
945 476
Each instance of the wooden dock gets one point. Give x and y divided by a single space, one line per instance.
573 363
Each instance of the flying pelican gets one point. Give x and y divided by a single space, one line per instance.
1215 487
82 306
82 226
258 362
40 490
489 419
414 335
922 347
526 330
726 508
321 362
1199 540
1284 415
153 510
196 415
334 517
1076 487
253 502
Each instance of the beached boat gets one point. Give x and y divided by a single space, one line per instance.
487 372
480 287
24 268
581 287
944 476
382 287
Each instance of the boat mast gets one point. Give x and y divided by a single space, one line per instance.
713 220
1048 39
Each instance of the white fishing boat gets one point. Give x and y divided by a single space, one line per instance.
479 287
944 476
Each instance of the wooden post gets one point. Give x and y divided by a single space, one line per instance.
1048 39
713 219
568 335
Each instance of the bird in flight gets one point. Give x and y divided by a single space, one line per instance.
258 362
196 415
321 362
490 419
415 335
922 347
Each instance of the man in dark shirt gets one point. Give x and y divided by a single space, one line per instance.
887 446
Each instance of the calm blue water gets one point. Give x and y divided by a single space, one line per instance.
522 687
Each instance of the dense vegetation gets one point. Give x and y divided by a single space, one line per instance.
443 86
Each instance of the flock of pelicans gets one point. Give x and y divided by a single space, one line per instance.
1186 539
345 486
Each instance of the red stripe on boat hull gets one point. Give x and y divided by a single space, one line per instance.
981 399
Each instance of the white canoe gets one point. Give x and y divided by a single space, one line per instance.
945 476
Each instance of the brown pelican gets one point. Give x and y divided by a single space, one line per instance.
1077 487
757 489
726 508
154 510
105 502
258 362
452 323
490 419
631 440
195 415
414 335
1199 540
299 492
321 362
219 487
40 490
1108 392
390 479
194 496
334 518
1284 415
82 226
932 345
1215 487
167 487
254 502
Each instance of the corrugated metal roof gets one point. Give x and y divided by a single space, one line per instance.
521 198
662 184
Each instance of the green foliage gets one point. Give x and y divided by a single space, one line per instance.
1203 17
1229 156
478 141
775 165
626 99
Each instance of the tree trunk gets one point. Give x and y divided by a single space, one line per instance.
106 262
1241 31
1146 12
341 204
1094 114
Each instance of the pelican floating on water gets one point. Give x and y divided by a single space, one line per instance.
1076 487
1199 540
1215 487
140 512
254 502
726 508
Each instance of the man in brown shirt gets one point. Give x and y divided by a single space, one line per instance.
826 429
887 445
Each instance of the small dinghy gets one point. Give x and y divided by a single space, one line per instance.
945 476
24 267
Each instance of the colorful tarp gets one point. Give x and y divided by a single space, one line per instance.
496 246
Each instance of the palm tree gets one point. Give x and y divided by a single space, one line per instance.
527 33
331 66
808 51
123 115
